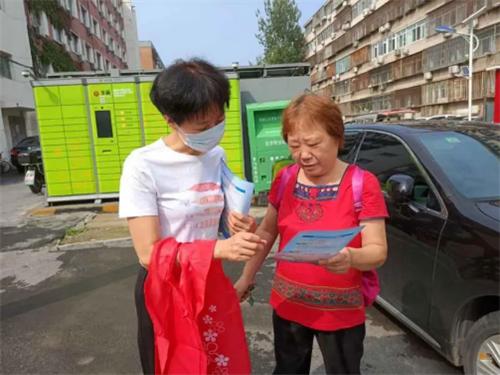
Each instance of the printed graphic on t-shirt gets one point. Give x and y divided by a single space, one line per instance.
204 205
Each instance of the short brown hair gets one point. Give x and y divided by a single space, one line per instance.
314 109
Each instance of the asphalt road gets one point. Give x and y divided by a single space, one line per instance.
73 312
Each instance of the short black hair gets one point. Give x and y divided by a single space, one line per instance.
189 89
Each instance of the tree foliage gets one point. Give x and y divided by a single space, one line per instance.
280 33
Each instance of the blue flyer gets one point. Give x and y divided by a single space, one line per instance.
313 246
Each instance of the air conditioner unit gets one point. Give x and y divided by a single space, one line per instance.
345 3
323 19
366 12
382 87
355 69
397 52
337 76
454 69
373 7
346 26
405 51
322 42
428 76
380 60
387 26
447 35
355 43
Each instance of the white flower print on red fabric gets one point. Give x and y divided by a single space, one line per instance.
207 319
212 308
221 360
210 335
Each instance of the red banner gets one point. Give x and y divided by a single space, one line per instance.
496 109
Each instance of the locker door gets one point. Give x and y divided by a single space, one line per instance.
106 148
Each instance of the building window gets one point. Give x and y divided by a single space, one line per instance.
357 8
105 37
343 65
449 53
88 53
75 43
98 60
58 35
96 29
84 16
5 65
436 93
111 45
400 39
486 41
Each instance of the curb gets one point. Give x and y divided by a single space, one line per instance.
54 210
86 245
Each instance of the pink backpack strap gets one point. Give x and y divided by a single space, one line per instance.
357 188
288 173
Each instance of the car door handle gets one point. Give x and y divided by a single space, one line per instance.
103 151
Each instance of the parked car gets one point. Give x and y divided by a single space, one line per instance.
441 181
25 145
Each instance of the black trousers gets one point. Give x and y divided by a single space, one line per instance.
145 334
342 350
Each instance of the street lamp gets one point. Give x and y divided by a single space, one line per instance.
472 39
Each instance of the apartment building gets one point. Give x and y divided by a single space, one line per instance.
17 118
149 56
385 56
78 34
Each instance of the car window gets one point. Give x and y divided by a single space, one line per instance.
467 154
30 141
385 156
348 152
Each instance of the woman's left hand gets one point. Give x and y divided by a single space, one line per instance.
340 263
241 223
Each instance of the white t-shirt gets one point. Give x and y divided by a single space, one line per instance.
183 190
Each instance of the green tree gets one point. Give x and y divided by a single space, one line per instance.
280 33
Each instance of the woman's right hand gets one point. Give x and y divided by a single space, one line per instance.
240 247
243 287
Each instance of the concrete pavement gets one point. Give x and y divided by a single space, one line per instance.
80 318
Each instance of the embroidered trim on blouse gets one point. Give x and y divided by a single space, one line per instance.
319 297
320 193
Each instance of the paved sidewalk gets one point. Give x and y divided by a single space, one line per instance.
102 226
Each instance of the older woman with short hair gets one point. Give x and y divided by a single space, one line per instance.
323 300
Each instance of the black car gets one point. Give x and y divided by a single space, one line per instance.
25 145
441 180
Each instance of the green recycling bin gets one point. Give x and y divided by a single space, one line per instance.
267 146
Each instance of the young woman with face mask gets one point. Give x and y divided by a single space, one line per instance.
171 189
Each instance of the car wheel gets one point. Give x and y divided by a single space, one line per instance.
482 346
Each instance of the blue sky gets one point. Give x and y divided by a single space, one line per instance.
221 31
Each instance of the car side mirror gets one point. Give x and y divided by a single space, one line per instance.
400 188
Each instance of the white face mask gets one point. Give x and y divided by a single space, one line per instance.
205 140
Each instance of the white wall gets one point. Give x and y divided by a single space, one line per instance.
15 92
131 37
16 96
